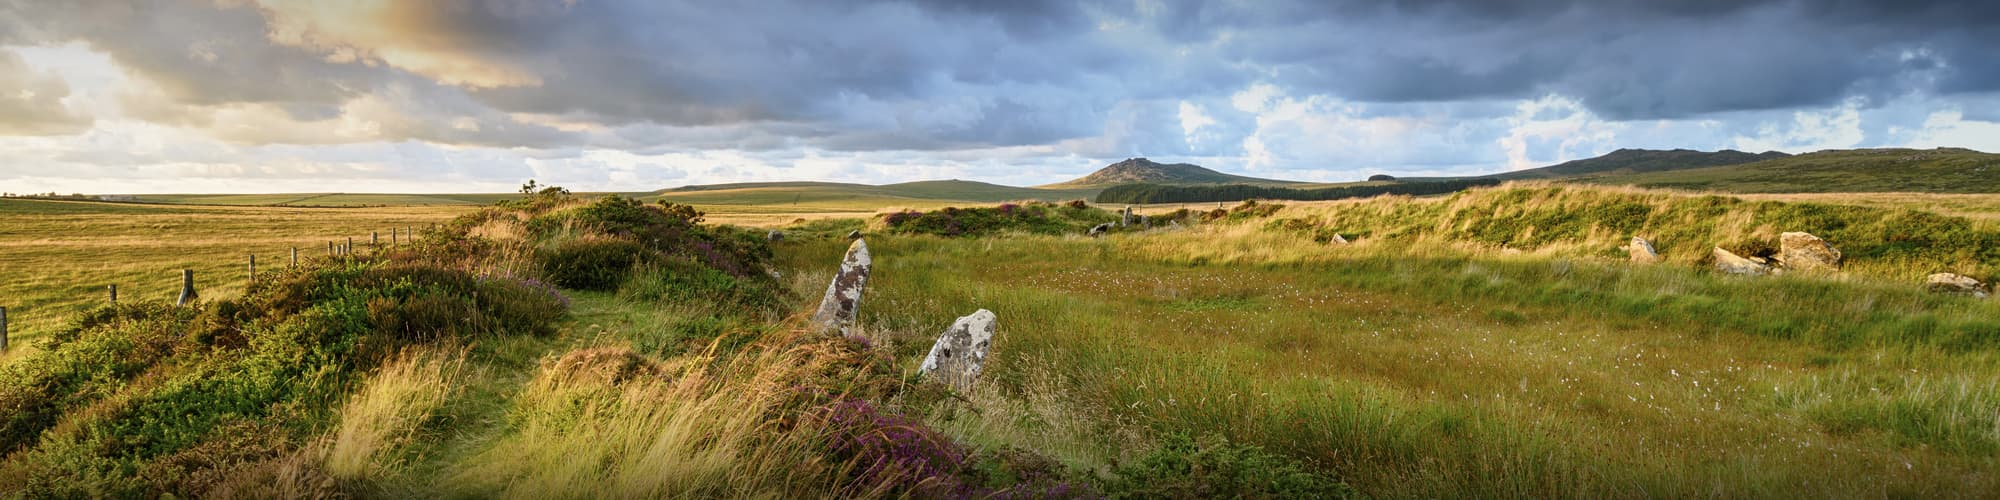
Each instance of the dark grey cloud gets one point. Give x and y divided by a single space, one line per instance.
967 74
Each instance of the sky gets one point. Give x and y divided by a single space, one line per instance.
227 96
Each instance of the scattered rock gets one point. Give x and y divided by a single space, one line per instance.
774 235
854 235
1806 252
1955 283
960 353
1642 251
843 296
1100 229
1734 264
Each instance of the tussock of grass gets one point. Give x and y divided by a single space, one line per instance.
382 420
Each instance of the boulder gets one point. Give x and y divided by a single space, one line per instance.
1642 251
1734 264
843 296
1100 229
774 235
959 355
1955 283
1806 252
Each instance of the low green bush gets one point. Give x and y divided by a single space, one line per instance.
591 264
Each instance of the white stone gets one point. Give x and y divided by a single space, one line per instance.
960 354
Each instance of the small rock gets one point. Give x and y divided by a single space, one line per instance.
959 355
854 235
1731 263
774 235
843 296
1806 252
1338 239
1642 251
1100 229
1955 283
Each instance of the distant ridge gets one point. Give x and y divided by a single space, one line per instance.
1635 161
1141 170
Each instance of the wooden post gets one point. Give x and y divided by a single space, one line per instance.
114 294
295 256
253 267
3 329
329 248
392 237
349 248
374 239
188 294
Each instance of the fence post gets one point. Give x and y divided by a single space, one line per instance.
114 294
392 237
253 267
329 248
187 287
3 329
374 239
295 256
349 248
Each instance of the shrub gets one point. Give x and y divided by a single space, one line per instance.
591 264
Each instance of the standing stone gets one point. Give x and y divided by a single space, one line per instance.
843 296
1642 251
854 235
1100 229
1734 264
1125 218
1955 283
774 236
1806 252
959 355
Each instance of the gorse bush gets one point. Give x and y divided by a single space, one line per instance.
591 264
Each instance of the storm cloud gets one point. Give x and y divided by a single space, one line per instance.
1310 89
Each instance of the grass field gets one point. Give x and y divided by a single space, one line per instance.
1463 346
1944 170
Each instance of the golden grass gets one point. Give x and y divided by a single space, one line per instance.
606 422
380 422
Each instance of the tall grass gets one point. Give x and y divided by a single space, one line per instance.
384 419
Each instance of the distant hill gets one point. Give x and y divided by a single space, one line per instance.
1631 161
1942 170
1141 170
835 196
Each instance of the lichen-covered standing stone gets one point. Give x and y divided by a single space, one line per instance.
843 296
959 355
